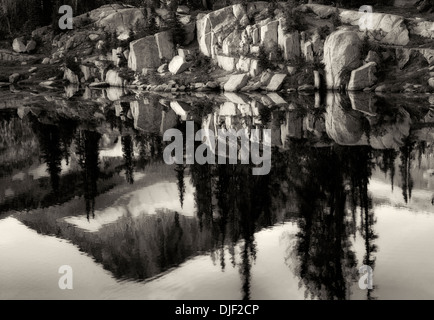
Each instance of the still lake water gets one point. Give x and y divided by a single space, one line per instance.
351 184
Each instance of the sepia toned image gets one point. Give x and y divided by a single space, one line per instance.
216 150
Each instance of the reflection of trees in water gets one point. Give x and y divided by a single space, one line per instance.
55 141
232 205
88 152
128 153
150 149
322 185
326 180
386 163
406 158
180 170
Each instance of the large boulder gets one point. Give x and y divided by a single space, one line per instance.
379 21
213 28
255 68
397 36
88 72
236 82
165 45
204 35
144 54
342 53
18 45
363 77
178 65
276 82
308 51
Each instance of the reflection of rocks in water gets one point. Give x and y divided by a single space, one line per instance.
330 186
71 90
150 116
366 126
114 94
343 124
363 102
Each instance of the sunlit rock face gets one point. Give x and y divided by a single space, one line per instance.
341 56
224 32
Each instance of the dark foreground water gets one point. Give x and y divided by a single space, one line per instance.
351 184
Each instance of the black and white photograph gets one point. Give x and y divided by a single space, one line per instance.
216 150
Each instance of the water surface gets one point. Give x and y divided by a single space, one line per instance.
351 184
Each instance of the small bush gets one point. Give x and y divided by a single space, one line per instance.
294 19
127 74
317 64
272 6
368 45
72 65
177 29
324 32
263 57
336 19
154 79
201 61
